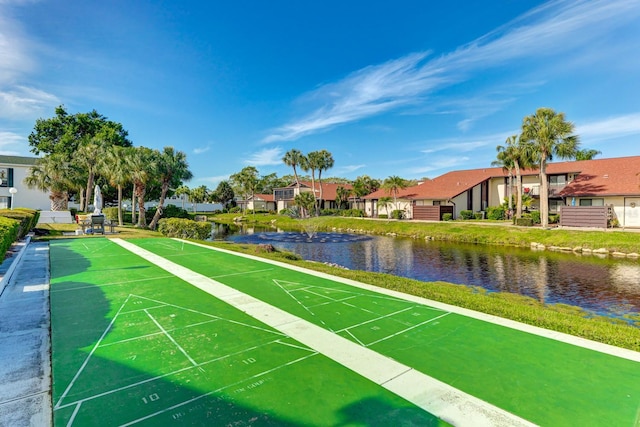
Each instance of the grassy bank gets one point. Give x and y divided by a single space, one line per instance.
485 232
561 318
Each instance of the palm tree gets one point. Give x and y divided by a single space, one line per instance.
305 201
113 166
342 196
198 195
142 165
549 135
505 161
88 156
294 158
325 162
515 155
246 181
313 162
172 169
50 174
393 185
181 191
384 203
586 154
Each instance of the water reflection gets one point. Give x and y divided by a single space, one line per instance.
609 287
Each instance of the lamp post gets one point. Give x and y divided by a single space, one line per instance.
13 191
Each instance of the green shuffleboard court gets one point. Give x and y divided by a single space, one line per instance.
166 332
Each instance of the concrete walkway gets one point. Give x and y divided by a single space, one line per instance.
25 347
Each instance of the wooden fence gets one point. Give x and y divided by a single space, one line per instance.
431 213
584 216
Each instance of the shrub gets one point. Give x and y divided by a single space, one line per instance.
184 228
329 212
535 217
524 221
384 216
235 209
466 214
110 213
447 217
496 212
478 215
9 229
397 214
27 219
554 218
357 213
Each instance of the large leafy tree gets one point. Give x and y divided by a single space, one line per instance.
224 194
550 135
342 196
393 185
172 169
364 185
246 182
72 136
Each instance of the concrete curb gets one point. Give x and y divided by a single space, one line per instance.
14 263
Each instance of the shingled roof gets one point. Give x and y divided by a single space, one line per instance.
18 160
601 177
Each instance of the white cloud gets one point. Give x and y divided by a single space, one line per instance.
437 164
609 128
23 102
200 150
266 157
349 168
555 28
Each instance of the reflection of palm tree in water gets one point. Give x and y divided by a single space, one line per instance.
541 278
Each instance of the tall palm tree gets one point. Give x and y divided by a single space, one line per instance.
505 161
313 162
172 169
294 158
142 165
325 163
87 157
50 174
515 155
342 196
549 134
113 166
393 185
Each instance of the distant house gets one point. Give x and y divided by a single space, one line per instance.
259 202
13 171
284 197
610 182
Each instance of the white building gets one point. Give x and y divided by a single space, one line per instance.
13 171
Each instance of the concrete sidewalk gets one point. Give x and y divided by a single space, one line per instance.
25 346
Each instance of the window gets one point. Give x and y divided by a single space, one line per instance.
554 205
591 202
6 174
558 179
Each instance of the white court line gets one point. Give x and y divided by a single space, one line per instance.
298 301
446 402
511 324
243 273
195 399
156 333
167 276
168 335
159 377
407 329
93 350
376 319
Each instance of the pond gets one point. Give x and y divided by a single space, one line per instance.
606 286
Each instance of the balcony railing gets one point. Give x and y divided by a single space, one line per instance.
534 190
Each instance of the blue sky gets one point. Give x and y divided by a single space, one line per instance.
409 88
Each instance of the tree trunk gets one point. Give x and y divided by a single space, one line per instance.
59 201
518 191
544 194
120 219
158 214
133 205
89 190
142 219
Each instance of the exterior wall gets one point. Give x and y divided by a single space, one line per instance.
476 205
25 197
631 212
497 191
459 203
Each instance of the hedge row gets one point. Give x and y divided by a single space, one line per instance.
28 218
